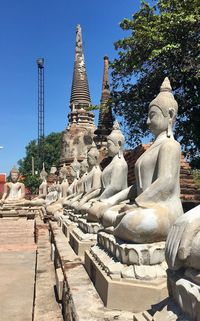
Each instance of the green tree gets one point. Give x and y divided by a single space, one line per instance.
52 152
163 40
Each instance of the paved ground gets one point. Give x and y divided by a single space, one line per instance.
17 269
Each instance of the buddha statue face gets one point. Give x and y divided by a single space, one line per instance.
156 121
92 156
84 167
14 176
113 147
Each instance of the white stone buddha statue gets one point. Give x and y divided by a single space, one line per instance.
14 191
156 195
72 189
80 183
114 176
61 187
43 186
92 183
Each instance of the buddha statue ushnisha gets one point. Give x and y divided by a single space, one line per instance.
114 176
14 191
156 196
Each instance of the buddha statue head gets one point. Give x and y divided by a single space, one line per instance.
75 168
63 172
162 111
14 174
43 174
93 156
84 166
115 141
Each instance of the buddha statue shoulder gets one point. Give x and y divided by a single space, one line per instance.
14 191
156 195
114 176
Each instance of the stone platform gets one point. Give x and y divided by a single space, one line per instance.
129 277
29 212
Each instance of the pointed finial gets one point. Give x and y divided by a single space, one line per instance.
166 86
116 125
14 170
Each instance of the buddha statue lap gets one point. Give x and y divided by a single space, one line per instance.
114 176
156 196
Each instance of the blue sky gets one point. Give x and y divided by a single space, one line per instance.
30 29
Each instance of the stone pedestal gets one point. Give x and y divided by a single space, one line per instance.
83 236
128 277
19 211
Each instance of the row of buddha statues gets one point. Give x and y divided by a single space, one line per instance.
148 211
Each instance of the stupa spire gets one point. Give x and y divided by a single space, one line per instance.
105 122
80 95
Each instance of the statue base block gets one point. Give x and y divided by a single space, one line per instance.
84 236
80 241
124 293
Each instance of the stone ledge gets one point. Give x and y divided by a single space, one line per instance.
80 301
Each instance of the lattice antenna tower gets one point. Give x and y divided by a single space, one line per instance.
40 64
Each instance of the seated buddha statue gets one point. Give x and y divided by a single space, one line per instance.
43 186
61 187
80 183
92 183
114 176
155 198
72 189
14 191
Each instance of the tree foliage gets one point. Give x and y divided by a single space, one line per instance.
163 40
52 152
